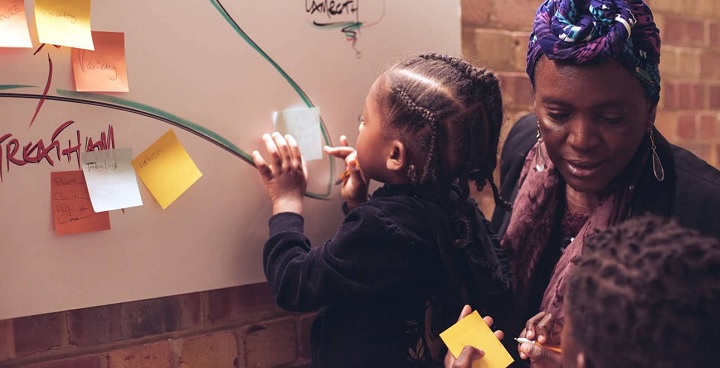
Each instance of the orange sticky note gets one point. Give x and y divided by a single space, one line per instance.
72 210
166 169
14 30
104 69
473 331
64 23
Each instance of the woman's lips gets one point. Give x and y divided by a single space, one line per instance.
583 168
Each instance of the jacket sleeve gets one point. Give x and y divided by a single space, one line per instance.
368 253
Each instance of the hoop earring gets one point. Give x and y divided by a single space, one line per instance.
539 157
657 165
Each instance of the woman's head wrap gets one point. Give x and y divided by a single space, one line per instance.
591 31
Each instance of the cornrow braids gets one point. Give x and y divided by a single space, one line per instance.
646 293
449 113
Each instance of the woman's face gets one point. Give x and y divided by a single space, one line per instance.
592 119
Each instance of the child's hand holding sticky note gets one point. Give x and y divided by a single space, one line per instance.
473 331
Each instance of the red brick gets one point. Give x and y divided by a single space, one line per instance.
7 341
94 326
157 355
514 15
686 126
241 303
683 31
707 127
709 65
666 123
270 344
90 361
714 92
714 29
691 96
38 333
499 49
517 90
716 162
159 316
212 350
304 326
476 12
669 95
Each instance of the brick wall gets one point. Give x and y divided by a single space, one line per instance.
241 327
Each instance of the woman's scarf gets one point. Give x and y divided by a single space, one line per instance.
591 31
533 220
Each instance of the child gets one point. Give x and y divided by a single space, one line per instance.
405 260
644 293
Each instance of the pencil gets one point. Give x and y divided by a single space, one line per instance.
343 177
554 349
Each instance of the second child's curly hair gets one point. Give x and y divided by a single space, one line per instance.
646 293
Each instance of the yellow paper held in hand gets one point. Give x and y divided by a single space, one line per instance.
473 331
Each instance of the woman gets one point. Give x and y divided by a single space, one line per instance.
590 156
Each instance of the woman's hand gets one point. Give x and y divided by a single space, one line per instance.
285 177
355 188
545 329
469 354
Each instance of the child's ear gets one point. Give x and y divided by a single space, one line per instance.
397 159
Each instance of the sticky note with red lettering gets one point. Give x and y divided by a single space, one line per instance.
166 169
72 210
473 331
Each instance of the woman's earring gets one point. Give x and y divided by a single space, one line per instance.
540 156
657 165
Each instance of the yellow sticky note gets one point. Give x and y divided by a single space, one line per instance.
64 23
104 69
473 331
166 169
13 24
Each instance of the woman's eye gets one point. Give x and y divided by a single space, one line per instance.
612 120
558 117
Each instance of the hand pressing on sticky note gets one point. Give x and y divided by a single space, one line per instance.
471 343
284 174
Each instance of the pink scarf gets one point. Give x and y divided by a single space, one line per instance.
532 222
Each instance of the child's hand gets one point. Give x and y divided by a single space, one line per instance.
285 178
355 187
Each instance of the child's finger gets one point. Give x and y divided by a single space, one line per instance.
282 147
339 152
343 140
272 150
294 151
261 165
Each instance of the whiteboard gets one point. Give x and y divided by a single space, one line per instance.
213 72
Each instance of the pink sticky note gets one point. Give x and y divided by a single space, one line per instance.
13 24
103 69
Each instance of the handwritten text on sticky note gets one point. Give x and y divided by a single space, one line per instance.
166 169
104 69
304 126
111 179
72 210
64 23
14 30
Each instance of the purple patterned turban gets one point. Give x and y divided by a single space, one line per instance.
590 31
